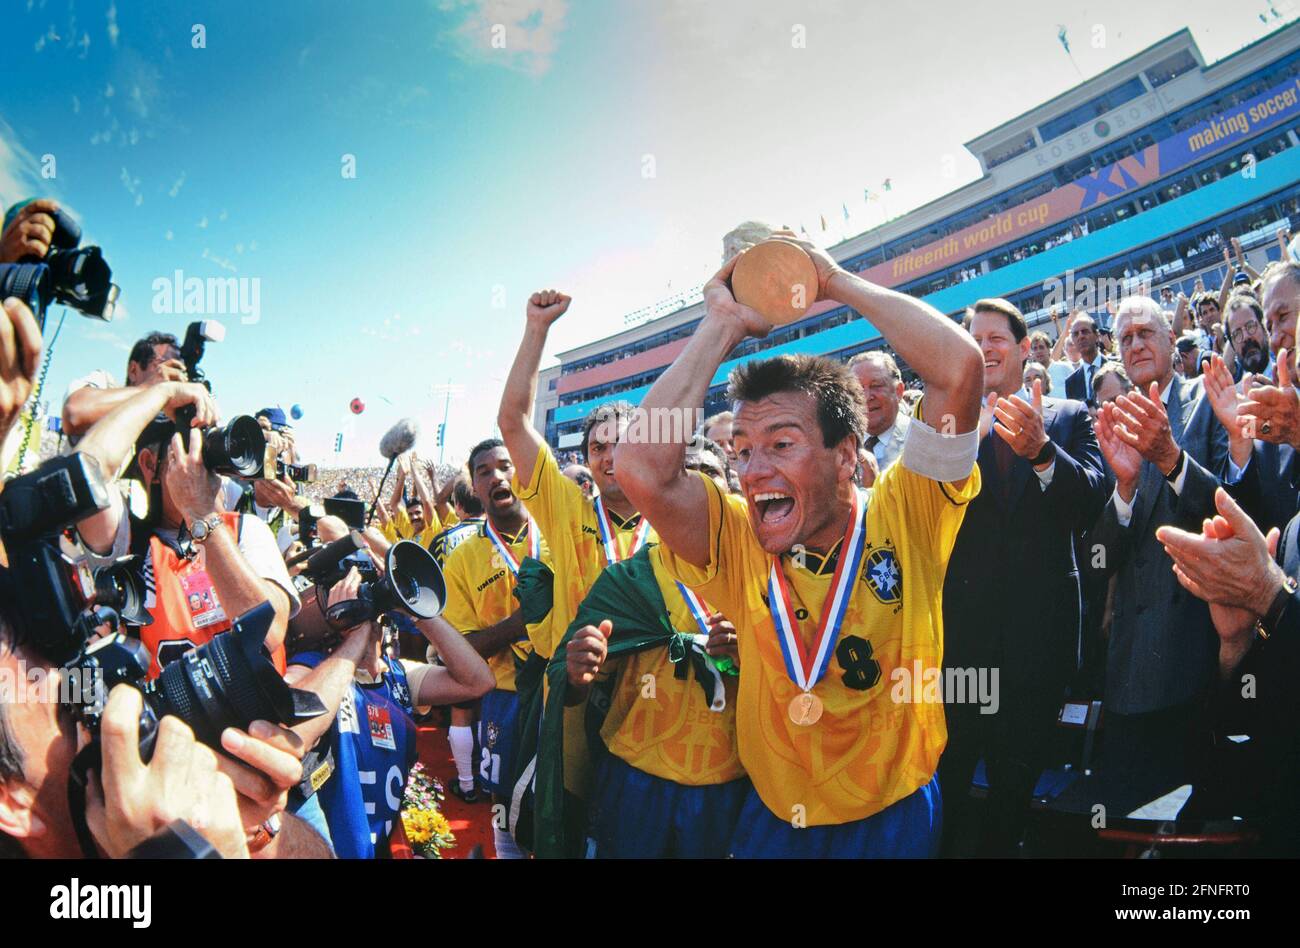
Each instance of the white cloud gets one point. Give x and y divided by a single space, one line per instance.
518 34
18 168
222 262
132 186
176 188
113 31
203 224
169 235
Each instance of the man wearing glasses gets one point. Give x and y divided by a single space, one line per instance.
1249 340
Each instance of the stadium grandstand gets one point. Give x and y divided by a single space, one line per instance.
1139 176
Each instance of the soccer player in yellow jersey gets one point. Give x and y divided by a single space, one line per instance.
426 514
584 534
480 575
672 784
836 594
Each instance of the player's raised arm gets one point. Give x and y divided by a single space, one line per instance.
651 472
515 417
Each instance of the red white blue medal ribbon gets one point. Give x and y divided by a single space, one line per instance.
507 554
700 612
696 606
806 667
607 534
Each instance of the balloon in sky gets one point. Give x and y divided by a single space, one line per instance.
358 406
296 412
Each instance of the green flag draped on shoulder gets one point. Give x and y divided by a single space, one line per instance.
535 590
627 594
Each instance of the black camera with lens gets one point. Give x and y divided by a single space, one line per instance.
76 276
235 449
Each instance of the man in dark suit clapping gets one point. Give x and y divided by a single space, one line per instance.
1165 448
1011 597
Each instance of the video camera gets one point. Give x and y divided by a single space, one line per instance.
410 581
76 276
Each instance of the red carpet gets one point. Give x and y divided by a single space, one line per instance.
471 822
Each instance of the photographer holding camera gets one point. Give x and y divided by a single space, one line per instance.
201 565
371 738
275 500
154 359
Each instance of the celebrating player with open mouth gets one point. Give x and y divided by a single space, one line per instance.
830 589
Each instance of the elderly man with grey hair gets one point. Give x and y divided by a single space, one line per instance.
882 384
1166 450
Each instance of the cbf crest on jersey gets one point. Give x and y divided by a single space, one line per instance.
883 575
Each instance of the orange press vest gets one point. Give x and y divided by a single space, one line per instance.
186 612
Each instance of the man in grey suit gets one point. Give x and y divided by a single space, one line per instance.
1162 442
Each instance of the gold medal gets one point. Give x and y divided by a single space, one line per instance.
805 709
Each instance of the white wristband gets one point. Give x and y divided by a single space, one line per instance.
940 457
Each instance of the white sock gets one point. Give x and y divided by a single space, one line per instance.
461 740
505 845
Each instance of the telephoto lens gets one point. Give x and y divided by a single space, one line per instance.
230 682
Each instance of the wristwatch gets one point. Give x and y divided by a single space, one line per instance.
1266 624
1045 455
200 530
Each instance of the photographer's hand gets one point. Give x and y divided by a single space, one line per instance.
268 765
169 370
129 801
30 232
20 359
194 489
185 394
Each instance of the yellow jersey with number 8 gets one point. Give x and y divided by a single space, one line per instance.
873 744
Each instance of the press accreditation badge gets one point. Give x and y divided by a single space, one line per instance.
205 607
381 728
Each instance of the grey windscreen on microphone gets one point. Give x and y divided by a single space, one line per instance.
399 439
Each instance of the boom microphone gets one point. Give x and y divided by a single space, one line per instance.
399 439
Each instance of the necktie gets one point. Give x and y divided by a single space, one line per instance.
872 441
1088 388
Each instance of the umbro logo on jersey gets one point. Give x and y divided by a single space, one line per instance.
490 580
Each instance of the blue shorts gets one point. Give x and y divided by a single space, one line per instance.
908 829
498 733
634 815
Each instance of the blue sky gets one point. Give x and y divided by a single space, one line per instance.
605 150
